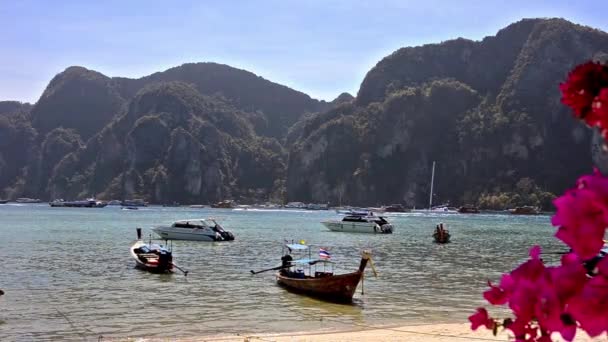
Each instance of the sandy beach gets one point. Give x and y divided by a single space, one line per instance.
419 333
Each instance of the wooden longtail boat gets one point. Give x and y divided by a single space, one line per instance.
151 257
326 285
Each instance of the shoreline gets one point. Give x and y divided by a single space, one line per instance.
441 332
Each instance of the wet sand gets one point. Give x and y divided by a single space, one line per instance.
418 333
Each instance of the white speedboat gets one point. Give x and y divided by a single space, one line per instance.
360 223
195 230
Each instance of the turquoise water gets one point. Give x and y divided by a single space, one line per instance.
68 275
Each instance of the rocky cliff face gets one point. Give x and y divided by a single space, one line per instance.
171 143
487 111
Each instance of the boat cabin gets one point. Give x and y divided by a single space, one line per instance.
365 218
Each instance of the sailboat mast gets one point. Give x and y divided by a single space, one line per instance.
432 181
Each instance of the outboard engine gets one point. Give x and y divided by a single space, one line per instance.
227 236
165 259
387 228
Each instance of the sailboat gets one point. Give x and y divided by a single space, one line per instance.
438 209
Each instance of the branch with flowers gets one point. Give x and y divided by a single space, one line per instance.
573 295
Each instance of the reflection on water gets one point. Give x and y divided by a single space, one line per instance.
68 274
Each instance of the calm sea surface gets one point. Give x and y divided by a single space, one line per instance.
68 275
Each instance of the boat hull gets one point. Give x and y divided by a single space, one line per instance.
355 227
335 288
169 233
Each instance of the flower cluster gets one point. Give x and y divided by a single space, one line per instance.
559 299
586 92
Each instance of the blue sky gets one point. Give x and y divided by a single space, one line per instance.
320 47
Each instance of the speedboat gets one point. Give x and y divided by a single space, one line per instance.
137 202
525 210
195 230
89 203
27 200
357 222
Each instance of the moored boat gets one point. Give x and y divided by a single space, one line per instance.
89 203
525 210
319 283
151 257
226 204
3 201
441 235
395 208
27 200
194 230
357 222
468 209
136 202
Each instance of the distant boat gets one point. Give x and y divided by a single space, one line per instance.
198 206
395 208
441 235
226 204
27 200
129 208
295 205
316 206
194 230
3 201
365 222
89 203
468 209
134 203
115 202
525 210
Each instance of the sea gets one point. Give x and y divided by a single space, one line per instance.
68 275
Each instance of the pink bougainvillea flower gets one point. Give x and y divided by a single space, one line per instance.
582 217
590 307
569 278
582 85
598 116
481 318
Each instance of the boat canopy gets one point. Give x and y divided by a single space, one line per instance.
311 261
296 246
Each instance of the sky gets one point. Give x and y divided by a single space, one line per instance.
320 47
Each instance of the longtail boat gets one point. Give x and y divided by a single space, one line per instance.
326 285
153 257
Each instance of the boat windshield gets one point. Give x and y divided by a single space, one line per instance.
355 218
191 224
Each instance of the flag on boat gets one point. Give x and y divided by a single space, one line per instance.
323 254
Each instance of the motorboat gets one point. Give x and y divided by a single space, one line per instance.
27 200
525 210
295 205
2 201
395 208
468 209
115 203
89 203
137 202
151 257
226 204
360 222
317 206
195 230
